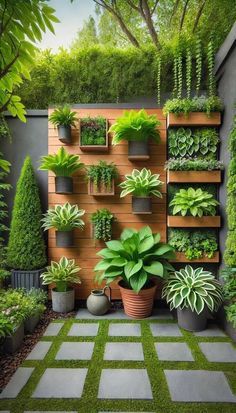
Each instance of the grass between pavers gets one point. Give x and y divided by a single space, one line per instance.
89 403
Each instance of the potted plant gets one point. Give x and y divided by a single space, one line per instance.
228 312
193 170
101 179
35 306
136 128
62 274
142 185
63 118
64 218
63 165
26 247
136 258
93 134
102 224
192 292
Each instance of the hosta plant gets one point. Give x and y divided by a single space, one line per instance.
135 126
137 257
63 116
61 163
195 202
184 142
193 288
63 218
141 183
62 273
102 224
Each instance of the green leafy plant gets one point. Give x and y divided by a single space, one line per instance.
229 277
63 218
93 131
26 247
102 222
4 171
195 244
14 306
195 164
158 68
137 257
230 249
135 126
62 273
198 57
196 104
6 326
196 202
188 72
184 142
63 116
102 174
180 75
62 163
210 64
141 183
193 288
231 313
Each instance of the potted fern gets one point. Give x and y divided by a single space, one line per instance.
193 292
142 185
64 218
63 118
136 128
63 165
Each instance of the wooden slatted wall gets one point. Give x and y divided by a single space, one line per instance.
84 251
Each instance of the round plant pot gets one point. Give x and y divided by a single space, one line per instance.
64 134
98 302
31 323
27 279
64 184
141 205
64 239
138 148
63 302
191 321
137 305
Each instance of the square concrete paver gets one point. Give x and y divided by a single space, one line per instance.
62 383
17 382
81 330
168 330
75 351
53 329
124 351
124 384
124 330
198 386
211 331
219 352
173 352
39 351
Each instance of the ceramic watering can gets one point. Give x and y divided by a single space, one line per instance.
98 303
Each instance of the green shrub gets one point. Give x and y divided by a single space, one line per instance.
26 247
195 244
93 131
230 249
231 211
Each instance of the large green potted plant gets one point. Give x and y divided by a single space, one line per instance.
136 259
193 292
26 247
62 274
142 185
63 118
64 218
63 165
136 128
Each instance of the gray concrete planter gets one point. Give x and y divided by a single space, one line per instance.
31 323
191 321
63 302
12 343
64 134
27 279
141 205
64 239
138 150
225 324
64 184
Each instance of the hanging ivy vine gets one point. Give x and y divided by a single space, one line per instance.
188 72
180 76
210 65
198 65
159 80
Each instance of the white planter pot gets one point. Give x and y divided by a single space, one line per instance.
63 302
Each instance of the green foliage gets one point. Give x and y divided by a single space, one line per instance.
196 202
198 58
141 183
193 288
102 174
93 130
4 129
179 75
232 139
184 142
188 72
62 273
26 247
229 277
62 163
63 218
196 104
195 244
231 211
211 63
136 258
159 63
63 116
6 326
196 164
102 222
230 249
231 313
135 126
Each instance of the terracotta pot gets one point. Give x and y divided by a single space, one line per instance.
137 305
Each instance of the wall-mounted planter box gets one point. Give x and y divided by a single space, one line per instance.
194 119
101 190
194 177
193 222
180 257
94 148
64 184
138 150
64 134
64 239
141 205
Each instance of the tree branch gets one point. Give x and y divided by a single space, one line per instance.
176 5
199 14
146 14
183 15
154 7
8 66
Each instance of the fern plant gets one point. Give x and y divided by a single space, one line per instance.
63 116
141 183
102 223
196 202
62 163
102 174
63 218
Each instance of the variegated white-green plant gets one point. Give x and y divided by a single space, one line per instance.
63 218
61 273
193 288
141 183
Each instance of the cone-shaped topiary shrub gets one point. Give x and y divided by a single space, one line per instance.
26 247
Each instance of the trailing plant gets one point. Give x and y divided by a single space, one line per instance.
195 244
135 126
26 246
159 79
141 183
180 76
183 142
93 131
137 257
193 288
195 164
62 273
210 64
102 174
188 72
175 76
198 58
62 163
63 116
195 202
230 249
63 218
196 104
102 222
